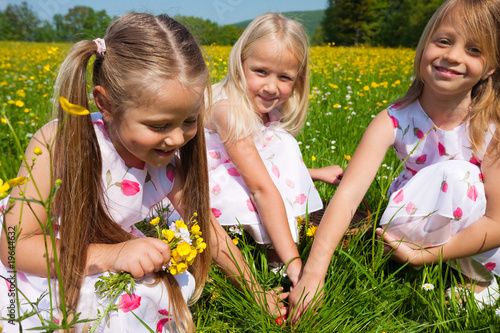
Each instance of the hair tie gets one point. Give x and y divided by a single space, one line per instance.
101 46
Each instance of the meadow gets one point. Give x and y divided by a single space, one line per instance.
364 291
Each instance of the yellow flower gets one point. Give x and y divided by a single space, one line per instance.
19 104
313 158
299 219
37 151
3 189
347 158
235 241
173 269
73 109
180 224
195 230
183 248
4 121
174 255
181 268
17 181
311 231
155 221
168 234
366 88
200 245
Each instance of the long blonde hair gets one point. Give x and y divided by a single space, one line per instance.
243 120
480 19
154 48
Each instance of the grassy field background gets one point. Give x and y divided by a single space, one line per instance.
364 291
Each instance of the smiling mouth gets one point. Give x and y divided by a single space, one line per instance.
267 99
445 70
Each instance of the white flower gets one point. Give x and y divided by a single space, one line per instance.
235 229
427 286
185 235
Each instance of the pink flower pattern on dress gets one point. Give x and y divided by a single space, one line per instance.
216 189
214 154
410 208
474 160
276 171
129 188
444 186
161 323
398 197
129 302
457 214
490 265
418 133
216 212
472 193
250 205
300 199
421 159
441 149
170 172
395 122
233 172
413 172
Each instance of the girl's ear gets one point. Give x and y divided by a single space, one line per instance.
488 73
102 102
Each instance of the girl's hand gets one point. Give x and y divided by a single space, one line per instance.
398 250
140 256
331 174
274 302
303 295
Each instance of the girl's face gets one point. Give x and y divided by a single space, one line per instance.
270 73
451 65
153 133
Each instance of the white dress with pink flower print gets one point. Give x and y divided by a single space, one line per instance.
229 197
130 195
440 191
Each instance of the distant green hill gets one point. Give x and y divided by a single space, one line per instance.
310 20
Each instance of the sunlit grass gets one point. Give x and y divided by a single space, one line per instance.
364 291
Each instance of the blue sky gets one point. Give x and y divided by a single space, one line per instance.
220 11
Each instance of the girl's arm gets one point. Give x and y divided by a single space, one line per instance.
229 258
480 236
331 174
138 256
378 137
263 193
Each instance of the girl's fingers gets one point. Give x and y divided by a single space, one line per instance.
284 296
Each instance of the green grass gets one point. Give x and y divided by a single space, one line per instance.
364 291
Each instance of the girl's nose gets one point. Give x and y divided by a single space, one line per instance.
271 86
175 137
453 54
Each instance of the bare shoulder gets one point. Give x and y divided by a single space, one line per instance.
46 134
218 114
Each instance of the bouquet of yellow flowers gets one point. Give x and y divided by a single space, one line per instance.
184 245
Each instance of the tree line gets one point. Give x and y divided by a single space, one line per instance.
389 23
21 23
